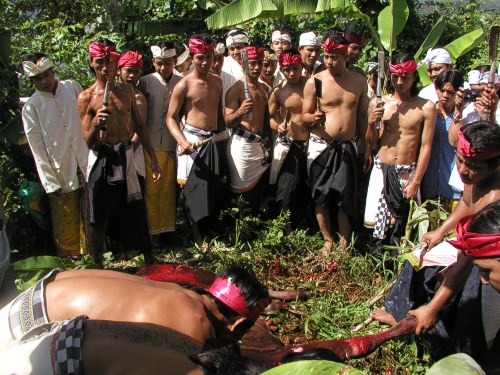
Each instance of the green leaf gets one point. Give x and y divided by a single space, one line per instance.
297 6
432 38
465 43
455 364
398 22
424 77
237 12
41 263
314 367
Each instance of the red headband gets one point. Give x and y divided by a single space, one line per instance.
477 245
329 46
288 58
131 58
403 69
255 53
466 150
230 295
199 46
356 38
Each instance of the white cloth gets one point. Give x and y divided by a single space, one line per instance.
246 163
140 165
314 148
185 162
443 254
236 39
54 133
227 82
280 152
437 56
162 52
158 93
277 35
372 196
429 93
309 39
41 66
233 67
316 65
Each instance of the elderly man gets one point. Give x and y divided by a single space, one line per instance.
437 61
310 50
236 40
53 131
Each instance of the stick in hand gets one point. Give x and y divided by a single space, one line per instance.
244 57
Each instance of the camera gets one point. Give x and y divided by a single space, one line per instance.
470 95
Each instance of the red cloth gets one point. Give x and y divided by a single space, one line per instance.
98 49
467 151
477 245
199 46
131 58
255 53
329 46
403 69
355 38
288 58
230 295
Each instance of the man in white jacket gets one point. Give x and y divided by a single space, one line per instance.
53 130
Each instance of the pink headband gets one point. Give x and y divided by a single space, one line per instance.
329 46
199 46
131 58
477 245
403 69
288 58
466 150
230 295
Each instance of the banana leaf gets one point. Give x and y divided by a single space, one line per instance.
297 6
455 364
334 5
315 367
432 38
398 22
465 43
240 11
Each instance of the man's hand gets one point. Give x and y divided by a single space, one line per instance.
488 99
319 117
101 117
188 148
155 167
282 129
376 112
426 318
432 238
411 190
367 164
246 106
459 100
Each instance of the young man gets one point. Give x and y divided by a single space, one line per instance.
199 171
310 50
269 67
53 131
114 189
336 119
157 87
435 183
280 41
289 165
478 160
233 303
184 62
227 79
236 40
354 52
407 129
437 61
247 151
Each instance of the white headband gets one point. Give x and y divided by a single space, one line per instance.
220 48
238 38
277 35
183 56
162 52
473 77
437 56
309 39
31 69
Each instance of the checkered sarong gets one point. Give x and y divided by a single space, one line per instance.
198 132
250 137
67 346
383 216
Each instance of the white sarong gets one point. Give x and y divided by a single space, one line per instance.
185 162
280 151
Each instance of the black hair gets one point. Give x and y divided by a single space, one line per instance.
335 36
399 59
484 136
313 354
207 39
293 51
449 76
222 356
487 220
168 45
32 57
251 288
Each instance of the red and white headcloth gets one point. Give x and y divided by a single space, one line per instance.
31 69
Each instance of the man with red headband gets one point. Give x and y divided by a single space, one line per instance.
337 116
406 133
473 321
200 171
356 42
108 128
478 161
248 148
289 164
231 305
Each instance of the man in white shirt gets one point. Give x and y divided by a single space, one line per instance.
437 61
310 50
236 40
227 79
53 131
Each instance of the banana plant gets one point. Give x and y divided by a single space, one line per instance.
314 367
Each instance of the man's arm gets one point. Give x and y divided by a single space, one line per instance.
235 111
275 116
429 110
142 108
173 116
90 123
310 115
362 127
139 123
455 279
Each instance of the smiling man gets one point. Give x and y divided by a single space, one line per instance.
437 61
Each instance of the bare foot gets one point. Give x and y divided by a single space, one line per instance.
327 249
383 316
206 250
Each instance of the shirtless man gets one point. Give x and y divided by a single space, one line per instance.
354 52
269 67
478 160
199 96
108 131
247 149
406 133
289 165
335 125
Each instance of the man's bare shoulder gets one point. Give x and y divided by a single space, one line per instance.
139 94
86 94
355 77
324 74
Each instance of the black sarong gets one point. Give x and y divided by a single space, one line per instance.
397 203
333 178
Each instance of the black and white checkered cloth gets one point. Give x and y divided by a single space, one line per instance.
67 347
242 133
383 216
198 132
285 141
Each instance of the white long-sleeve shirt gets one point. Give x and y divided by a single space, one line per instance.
52 126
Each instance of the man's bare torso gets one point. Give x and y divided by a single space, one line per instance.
477 197
202 101
259 99
290 98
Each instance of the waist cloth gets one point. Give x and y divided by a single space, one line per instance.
334 174
386 198
113 166
26 311
247 158
205 180
291 183
185 162
50 348
280 151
